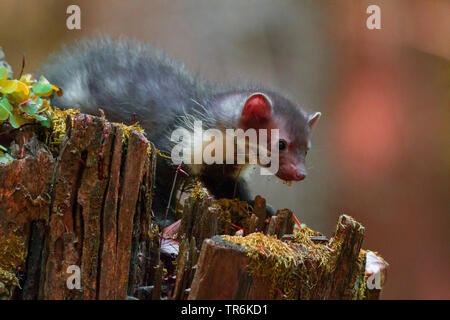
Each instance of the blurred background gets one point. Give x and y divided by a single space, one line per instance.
381 149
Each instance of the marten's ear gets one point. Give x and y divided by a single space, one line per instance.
256 109
313 119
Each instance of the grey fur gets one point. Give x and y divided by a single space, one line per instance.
124 78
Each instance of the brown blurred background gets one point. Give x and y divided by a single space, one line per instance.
381 151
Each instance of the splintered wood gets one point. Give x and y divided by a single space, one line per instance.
79 209
261 266
268 259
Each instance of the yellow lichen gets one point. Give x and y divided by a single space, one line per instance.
127 130
199 192
126 136
233 213
361 278
8 281
282 262
271 259
162 155
58 127
12 251
12 255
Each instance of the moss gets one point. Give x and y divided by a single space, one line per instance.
12 255
271 259
128 129
320 257
12 251
283 263
359 288
199 192
234 212
8 281
58 127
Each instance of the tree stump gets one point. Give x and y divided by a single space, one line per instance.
87 207
335 269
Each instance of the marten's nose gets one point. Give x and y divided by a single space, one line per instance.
292 172
300 175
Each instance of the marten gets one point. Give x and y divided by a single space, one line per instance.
127 78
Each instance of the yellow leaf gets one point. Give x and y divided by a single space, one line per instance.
23 88
8 86
55 88
20 94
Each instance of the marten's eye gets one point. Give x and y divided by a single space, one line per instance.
281 144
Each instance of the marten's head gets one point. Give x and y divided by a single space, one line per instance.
271 111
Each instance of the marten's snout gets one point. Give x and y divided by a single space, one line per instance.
300 175
291 172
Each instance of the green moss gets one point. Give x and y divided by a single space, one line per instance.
12 251
272 259
12 255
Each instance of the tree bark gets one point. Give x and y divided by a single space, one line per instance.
79 208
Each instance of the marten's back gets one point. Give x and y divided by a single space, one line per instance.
124 78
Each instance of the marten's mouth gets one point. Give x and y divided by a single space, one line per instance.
284 181
288 182
290 175
278 175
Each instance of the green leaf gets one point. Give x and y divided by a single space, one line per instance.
38 104
5 109
46 123
43 87
39 117
3 73
13 122
31 108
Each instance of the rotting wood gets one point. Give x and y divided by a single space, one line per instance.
221 274
327 271
156 295
285 223
78 209
259 210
